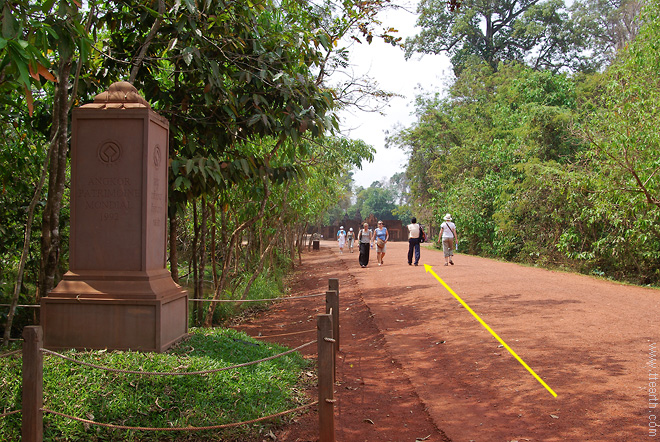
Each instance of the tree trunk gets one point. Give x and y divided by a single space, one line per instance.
258 270
236 234
237 253
50 227
247 252
197 306
214 263
137 61
292 246
301 242
201 258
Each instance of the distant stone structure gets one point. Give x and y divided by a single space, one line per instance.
117 294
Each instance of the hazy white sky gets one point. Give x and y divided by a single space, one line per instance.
387 65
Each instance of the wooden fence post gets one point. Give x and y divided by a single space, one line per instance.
33 381
326 379
332 308
333 285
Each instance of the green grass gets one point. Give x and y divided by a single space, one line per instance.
229 396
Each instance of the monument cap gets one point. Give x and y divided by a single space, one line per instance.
120 95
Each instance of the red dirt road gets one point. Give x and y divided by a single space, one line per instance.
416 365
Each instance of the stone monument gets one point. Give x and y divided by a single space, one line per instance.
117 294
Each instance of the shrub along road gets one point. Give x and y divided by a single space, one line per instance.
415 364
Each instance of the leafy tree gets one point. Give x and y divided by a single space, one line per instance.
494 31
543 34
19 206
467 151
400 186
351 23
622 128
607 26
620 125
376 201
343 204
29 33
278 209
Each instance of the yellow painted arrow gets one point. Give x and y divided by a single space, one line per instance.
428 268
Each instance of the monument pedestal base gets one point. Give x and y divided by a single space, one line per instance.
143 311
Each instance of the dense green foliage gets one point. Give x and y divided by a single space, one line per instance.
23 153
549 168
376 201
229 396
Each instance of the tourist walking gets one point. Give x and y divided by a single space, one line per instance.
381 236
341 238
350 238
449 239
365 238
414 239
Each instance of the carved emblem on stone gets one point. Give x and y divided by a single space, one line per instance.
109 152
157 155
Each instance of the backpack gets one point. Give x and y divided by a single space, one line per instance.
422 235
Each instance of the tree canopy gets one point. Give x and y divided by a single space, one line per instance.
544 34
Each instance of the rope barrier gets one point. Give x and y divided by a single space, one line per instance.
211 427
11 353
284 334
287 298
9 413
22 305
186 373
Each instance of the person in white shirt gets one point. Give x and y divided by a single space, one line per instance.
449 239
414 236
341 238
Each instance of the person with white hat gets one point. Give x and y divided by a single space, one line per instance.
448 238
350 237
341 238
